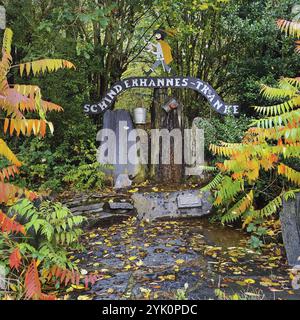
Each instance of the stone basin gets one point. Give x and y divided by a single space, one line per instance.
172 205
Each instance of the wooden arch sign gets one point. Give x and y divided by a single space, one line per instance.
161 82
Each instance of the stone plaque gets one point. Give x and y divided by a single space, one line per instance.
189 201
2 17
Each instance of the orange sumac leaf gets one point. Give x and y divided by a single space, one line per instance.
9 225
33 289
6 125
15 259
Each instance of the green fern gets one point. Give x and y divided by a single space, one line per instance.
87 176
213 184
278 109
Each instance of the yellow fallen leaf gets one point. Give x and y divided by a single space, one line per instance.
132 258
180 261
110 290
13 287
170 277
249 281
140 263
128 267
84 298
80 287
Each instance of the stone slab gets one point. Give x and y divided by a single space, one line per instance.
121 206
153 206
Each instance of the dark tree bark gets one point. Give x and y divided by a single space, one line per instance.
160 119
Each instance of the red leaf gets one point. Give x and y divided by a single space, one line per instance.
10 226
33 288
15 259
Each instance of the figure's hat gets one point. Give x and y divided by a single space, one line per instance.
161 32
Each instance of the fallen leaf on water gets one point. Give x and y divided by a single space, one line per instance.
249 281
80 287
180 261
128 267
170 277
140 263
132 258
84 298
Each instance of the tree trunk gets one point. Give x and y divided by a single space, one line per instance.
290 222
160 119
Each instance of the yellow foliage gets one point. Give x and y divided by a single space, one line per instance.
45 65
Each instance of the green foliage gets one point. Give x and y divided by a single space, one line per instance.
87 176
271 145
229 128
53 230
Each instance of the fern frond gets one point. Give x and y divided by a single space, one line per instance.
213 184
295 82
278 121
227 190
49 106
291 28
271 208
27 127
8 172
280 108
291 174
45 65
239 208
15 259
67 277
7 41
8 225
222 151
279 93
33 288
208 168
8 154
291 194
27 90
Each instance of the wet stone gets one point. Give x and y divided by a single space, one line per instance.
189 201
119 284
103 219
121 206
88 208
123 182
158 259
179 204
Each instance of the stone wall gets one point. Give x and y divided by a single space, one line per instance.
290 222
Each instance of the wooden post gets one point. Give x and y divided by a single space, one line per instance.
161 120
290 224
